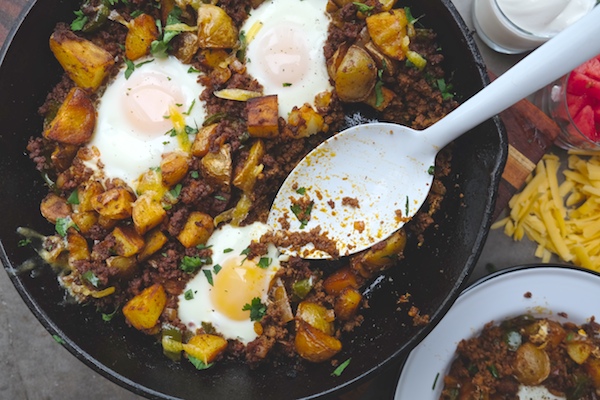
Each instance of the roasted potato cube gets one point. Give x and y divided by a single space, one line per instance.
245 178
116 203
77 246
381 256
173 167
306 120
128 241
142 32
205 347
340 280
86 63
216 29
263 116
75 120
592 367
86 193
85 220
579 350
197 229
313 344
387 30
53 207
147 213
150 183
186 46
347 303
155 240
126 266
317 316
143 310
354 73
63 156
216 167
201 144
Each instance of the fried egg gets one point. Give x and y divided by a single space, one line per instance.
284 50
137 113
220 291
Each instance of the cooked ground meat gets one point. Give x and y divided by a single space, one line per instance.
113 258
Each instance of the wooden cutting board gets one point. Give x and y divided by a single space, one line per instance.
531 133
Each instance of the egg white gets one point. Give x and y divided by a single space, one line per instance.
130 145
227 244
284 51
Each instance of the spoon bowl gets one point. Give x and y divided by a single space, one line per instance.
366 182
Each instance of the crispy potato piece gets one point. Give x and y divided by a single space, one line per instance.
155 240
387 30
531 365
126 266
216 29
217 166
340 280
317 316
245 178
143 310
173 167
150 183
313 344
579 350
63 156
213 57
116 203
129 242
142 32
85 220
86 193
201 144
53 207
197 229
347 303
75 120
77 246
86 63
187 46
592 367
379 257
263 116
354 73
147 213
306 120
205 347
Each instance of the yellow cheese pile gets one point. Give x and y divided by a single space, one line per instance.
564 218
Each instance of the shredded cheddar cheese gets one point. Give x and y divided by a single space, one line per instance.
562 218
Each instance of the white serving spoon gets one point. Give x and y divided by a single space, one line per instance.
386 167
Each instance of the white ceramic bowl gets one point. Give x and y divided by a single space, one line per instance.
553 289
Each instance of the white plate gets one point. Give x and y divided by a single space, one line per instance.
553 290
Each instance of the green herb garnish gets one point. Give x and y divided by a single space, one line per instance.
191 264
378 89
109 317
63 224
257 309
176 191
73 197
286 84
189 294
90 277
79 22
431 170
216 268
199 364
24 242
58 339
303 214
363 8
209 277
301 190
264 262
340 368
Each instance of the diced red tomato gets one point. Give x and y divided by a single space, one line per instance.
583 97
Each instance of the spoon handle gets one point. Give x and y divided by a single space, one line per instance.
567 50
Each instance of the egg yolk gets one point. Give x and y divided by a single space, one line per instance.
146 102
283 54
237 283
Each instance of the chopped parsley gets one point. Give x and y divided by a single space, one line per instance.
191 264
257 309
220 198
58 339
189 294
24 242
264 262
91 278
199 364
378 89
161 46
192 70
407 206
195 175
136 14
217 268
79 22
228 250
431 170
131 66
286 84
340 368
363 8
176 191
109 317
190 110
409 16
301 190
445 88
303 214
63 224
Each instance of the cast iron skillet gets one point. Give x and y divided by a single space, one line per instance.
433 274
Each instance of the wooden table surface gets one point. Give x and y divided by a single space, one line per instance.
522 159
